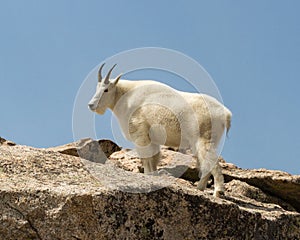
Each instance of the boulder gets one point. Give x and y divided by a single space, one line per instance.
89 149
6 142
45 194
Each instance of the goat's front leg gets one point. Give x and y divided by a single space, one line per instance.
149 154
150 164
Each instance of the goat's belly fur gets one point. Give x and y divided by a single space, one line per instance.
169 127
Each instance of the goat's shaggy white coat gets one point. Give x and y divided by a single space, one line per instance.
152 114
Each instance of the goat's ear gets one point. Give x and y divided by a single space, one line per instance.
117 79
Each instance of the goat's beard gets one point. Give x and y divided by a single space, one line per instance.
100 111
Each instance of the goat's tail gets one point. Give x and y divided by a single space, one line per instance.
228 116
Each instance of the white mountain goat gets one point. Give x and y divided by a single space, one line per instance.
152 114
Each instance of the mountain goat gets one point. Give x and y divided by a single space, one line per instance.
152 114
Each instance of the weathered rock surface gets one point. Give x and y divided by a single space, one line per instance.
45 194
277 186
281 185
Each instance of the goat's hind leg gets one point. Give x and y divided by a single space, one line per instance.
208 164
218 180
204 174
212 163
202 184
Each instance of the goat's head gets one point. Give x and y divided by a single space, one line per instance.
105 92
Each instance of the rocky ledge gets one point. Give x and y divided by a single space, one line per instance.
75 192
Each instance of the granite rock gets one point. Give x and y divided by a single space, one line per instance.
45 194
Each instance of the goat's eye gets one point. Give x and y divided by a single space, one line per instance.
106 90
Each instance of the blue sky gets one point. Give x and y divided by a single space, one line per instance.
250 48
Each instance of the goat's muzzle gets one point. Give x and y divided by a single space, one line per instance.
92 106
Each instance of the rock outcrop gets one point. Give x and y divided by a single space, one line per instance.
89 149
47 194
276 186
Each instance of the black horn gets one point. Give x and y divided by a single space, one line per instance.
106 81
99 73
